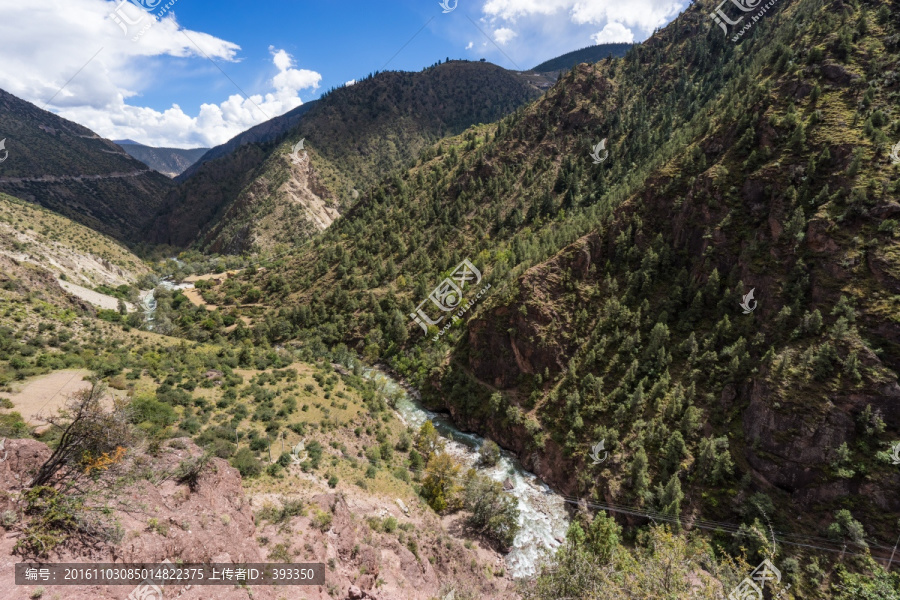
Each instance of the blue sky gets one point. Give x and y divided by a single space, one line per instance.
154 79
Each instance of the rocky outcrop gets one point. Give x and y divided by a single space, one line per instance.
160 518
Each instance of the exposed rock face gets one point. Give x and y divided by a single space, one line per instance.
162 519
791 446
20 461
380 565
788 443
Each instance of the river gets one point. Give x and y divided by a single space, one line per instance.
543 518
148 300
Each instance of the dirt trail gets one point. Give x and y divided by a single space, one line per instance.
196 299
95 298
45 395
218 276
60 178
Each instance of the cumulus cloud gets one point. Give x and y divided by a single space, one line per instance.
49 49
470 45
645 14
511 9
504 35
613 33
548 28
289 80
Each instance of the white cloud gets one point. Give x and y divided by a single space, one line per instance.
290 80
351 82
504 35
470 45
511 9
645 14
613 33
49 43
548 28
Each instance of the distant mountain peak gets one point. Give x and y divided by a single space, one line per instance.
171 162
590 54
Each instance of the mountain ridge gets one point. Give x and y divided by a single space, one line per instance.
171 162
588 54
356 132
614 311
71 170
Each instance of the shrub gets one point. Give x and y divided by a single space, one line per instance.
8 518
322 520
13 426
439 487
389 525
245 462
221 448
489 454
314 450
280 553
493 512
190 470
146 409
87 433
54 519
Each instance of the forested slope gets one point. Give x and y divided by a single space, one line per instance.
616 288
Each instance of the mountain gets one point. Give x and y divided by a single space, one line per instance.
171 162
591 54
74 172
713 296
259 134
56 351
679 308
353 136
32 235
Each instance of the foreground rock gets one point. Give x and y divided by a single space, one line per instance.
161 519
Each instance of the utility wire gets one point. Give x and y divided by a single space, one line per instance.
719 526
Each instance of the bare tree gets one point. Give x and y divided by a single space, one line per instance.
91 437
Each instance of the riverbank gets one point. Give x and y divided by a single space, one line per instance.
543 515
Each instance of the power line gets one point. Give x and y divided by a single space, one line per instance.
719 526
